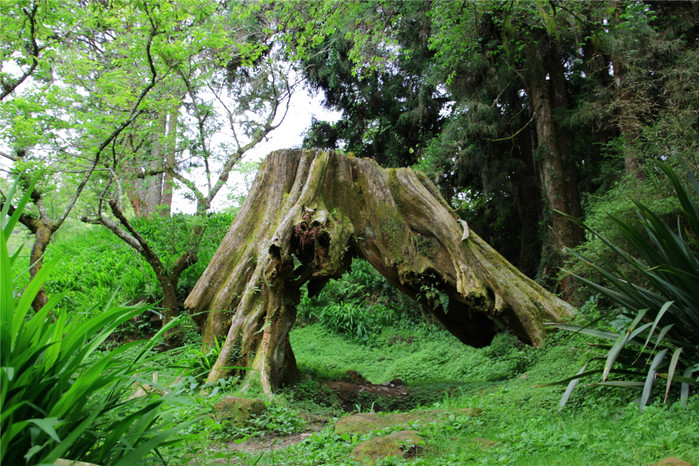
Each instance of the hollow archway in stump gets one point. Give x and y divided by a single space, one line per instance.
307 215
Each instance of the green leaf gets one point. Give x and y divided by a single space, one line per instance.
613 353
660 315
588 331
152 443
684 390
650 378
620 383
47 425
671 371
9 224
570 388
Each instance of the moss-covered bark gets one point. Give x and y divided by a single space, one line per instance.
308 214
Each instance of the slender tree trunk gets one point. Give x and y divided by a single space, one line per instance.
42 238
154 190
560 104
152 195
170 147
308 214
555 177
628 126
168 279
528 211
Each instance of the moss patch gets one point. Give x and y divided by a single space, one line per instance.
403 444
363 423
238 411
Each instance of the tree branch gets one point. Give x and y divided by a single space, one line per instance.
135 112
14 158
8 88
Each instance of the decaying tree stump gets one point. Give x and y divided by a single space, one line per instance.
308 214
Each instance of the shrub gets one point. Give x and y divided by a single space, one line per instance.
95 263
604 211
360 303
662 309
62 394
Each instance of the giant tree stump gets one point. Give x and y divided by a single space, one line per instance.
308 214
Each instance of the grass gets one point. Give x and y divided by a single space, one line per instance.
423 355
519 421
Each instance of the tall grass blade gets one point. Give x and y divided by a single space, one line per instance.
671 371
9 224
569 390
684 389
139 452
650 378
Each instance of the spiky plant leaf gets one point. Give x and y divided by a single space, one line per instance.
671 371
650 378
570 388
666 304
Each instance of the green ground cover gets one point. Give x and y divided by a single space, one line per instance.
518 420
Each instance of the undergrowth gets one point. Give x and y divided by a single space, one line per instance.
516 421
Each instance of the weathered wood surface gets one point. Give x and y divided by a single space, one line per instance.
307 215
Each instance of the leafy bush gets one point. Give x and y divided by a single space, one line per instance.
62 394
95 263
663 309
170 236
360 304
604 211
355 320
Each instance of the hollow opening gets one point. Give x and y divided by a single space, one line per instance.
363 309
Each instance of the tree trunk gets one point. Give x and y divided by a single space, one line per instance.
42 238
556 179
308 214
528 202
170 147
626 109
152 195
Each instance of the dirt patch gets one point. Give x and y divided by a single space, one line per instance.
357 392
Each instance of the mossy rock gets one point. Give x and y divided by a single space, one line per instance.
403 444
364 423
671 461
238 411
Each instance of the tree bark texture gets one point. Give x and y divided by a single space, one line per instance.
308 214
558 180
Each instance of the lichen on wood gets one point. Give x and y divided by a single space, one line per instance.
308 214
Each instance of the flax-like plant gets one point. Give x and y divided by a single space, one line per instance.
62 395
662 339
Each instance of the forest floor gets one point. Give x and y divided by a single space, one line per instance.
421 397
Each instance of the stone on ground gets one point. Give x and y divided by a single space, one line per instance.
403 444
239 411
